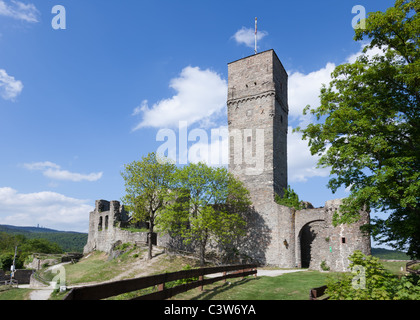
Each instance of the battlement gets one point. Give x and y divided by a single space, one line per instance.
105 206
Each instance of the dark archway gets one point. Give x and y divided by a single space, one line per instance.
307 236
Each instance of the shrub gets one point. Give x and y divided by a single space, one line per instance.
370 281
290 199
324 266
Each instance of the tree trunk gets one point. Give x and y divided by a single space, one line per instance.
149 239
202 254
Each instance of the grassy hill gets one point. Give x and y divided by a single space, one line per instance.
385 254
68 240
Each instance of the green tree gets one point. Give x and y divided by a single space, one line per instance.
25 247
368 128
147 184
290 199
207 204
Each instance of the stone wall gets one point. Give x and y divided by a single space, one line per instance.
105 230
321 242
23 276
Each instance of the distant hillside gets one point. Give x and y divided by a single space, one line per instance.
386 254
68 240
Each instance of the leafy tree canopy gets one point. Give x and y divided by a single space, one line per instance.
148 183
207 203
25 247
368 128
290 199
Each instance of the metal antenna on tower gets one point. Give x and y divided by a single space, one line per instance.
256 31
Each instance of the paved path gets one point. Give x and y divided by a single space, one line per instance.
42 294
38 294
275 273
264 272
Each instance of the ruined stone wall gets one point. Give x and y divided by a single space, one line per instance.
105 231
321 242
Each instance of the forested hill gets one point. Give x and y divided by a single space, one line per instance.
69 241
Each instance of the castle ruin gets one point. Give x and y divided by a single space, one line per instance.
277 235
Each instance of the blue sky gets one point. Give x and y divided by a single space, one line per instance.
76 104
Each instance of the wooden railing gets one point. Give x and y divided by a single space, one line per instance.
409 264
106 290
316 293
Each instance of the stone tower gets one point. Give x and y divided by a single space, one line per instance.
257 118
258 123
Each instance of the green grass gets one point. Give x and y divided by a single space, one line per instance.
395 266
15 294
289 286
96 268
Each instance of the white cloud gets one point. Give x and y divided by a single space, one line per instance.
304 89
301 164
41 165
246 36
140 108
19 11
371 52
53 171
9 87
201 94
49 209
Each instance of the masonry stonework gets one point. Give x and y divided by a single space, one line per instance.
106 231
258 123
277 235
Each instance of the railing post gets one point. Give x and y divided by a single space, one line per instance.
200 278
